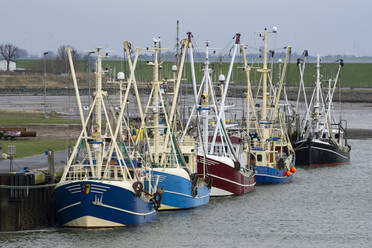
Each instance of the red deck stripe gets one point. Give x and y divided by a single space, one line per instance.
330 164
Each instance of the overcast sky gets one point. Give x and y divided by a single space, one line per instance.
321 26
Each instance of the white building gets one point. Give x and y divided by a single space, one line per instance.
12 65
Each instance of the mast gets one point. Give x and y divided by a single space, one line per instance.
221 86
250 101
264 81
156 102
317 86
205 99
220 117
341 64
193 77
177 45
84 123
97 132
99 92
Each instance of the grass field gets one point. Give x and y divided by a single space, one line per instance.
21 118
34 146
29 147
352 75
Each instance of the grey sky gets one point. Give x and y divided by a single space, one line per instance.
321 26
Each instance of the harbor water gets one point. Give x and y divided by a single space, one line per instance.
322 207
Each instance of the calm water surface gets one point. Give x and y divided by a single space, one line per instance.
322 207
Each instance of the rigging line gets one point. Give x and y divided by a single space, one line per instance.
226 48
196 48
253 48
199 56
339 96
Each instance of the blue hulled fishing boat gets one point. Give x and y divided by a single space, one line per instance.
97 188
272 154
174 165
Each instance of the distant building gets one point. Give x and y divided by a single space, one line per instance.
12 65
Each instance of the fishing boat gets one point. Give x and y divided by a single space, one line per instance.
273 157
172 162
100 186
322 141
220 155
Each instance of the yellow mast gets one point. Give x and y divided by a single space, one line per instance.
264 81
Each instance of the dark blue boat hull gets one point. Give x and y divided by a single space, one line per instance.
268 175
92 204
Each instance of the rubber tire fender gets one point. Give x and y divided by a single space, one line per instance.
156 200
209 181
138 188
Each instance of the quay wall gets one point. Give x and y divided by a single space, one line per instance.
25 209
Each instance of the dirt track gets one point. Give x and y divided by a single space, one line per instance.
55 131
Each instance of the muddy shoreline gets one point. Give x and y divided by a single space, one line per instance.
354 95
73 131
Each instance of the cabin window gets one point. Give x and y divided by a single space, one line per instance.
259 157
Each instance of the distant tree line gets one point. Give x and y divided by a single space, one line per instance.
58 63
55 62
9 52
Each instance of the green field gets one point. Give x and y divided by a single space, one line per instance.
352 75
29 147
33 146
20 118
37 64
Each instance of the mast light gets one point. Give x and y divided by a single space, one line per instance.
221 78
120 76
